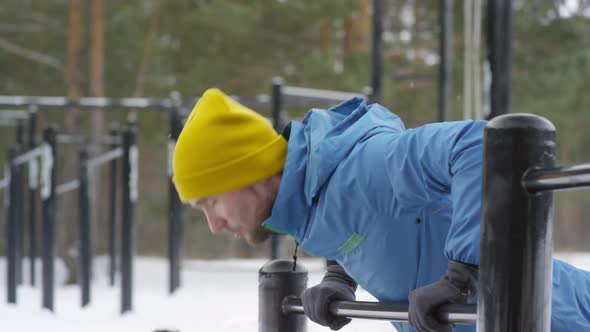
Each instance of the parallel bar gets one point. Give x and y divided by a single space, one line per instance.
33 194
175 224
515 267
18 202
79 139
566 177
28 156
276 280
276 108
85 102
49 208
117 103
129 178
85 245
105 157
68 186
113 211
457 314
11 231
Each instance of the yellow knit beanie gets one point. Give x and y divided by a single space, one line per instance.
224 146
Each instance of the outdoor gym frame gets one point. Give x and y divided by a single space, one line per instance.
47 152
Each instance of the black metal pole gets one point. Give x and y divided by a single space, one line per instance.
500 55
278 279
394 312
49 210
175 205
18 204
445 76
129 183
11 227
84 242
113 211
516 233
276 108
377 52
33 192
559 178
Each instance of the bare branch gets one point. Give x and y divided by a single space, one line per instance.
31 55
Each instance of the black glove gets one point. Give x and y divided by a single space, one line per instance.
456 287
336 286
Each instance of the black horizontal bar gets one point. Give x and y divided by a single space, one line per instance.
86 102
118 103
455 313
559 178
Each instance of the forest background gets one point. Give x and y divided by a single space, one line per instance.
149 48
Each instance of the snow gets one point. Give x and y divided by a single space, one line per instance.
215 296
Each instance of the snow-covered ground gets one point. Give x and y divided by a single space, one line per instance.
215 296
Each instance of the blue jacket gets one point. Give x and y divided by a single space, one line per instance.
394 205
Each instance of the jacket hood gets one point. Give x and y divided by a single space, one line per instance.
332 134
317 145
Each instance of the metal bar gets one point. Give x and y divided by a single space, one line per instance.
516 228
113 212
49 210
79 139
318 94
446 59
566 177
68 186
456 314
18 202
377 51
278 279
105 157
85 102
84 242
33 193
28 156
71 139
175 224
129 183
276 108
500 55
11 231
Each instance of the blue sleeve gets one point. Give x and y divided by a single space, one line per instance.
444 160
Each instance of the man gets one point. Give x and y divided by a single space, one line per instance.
395 210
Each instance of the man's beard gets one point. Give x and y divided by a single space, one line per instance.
257 236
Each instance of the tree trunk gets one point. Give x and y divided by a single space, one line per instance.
67 225
98 206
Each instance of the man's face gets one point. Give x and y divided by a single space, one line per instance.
239 212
